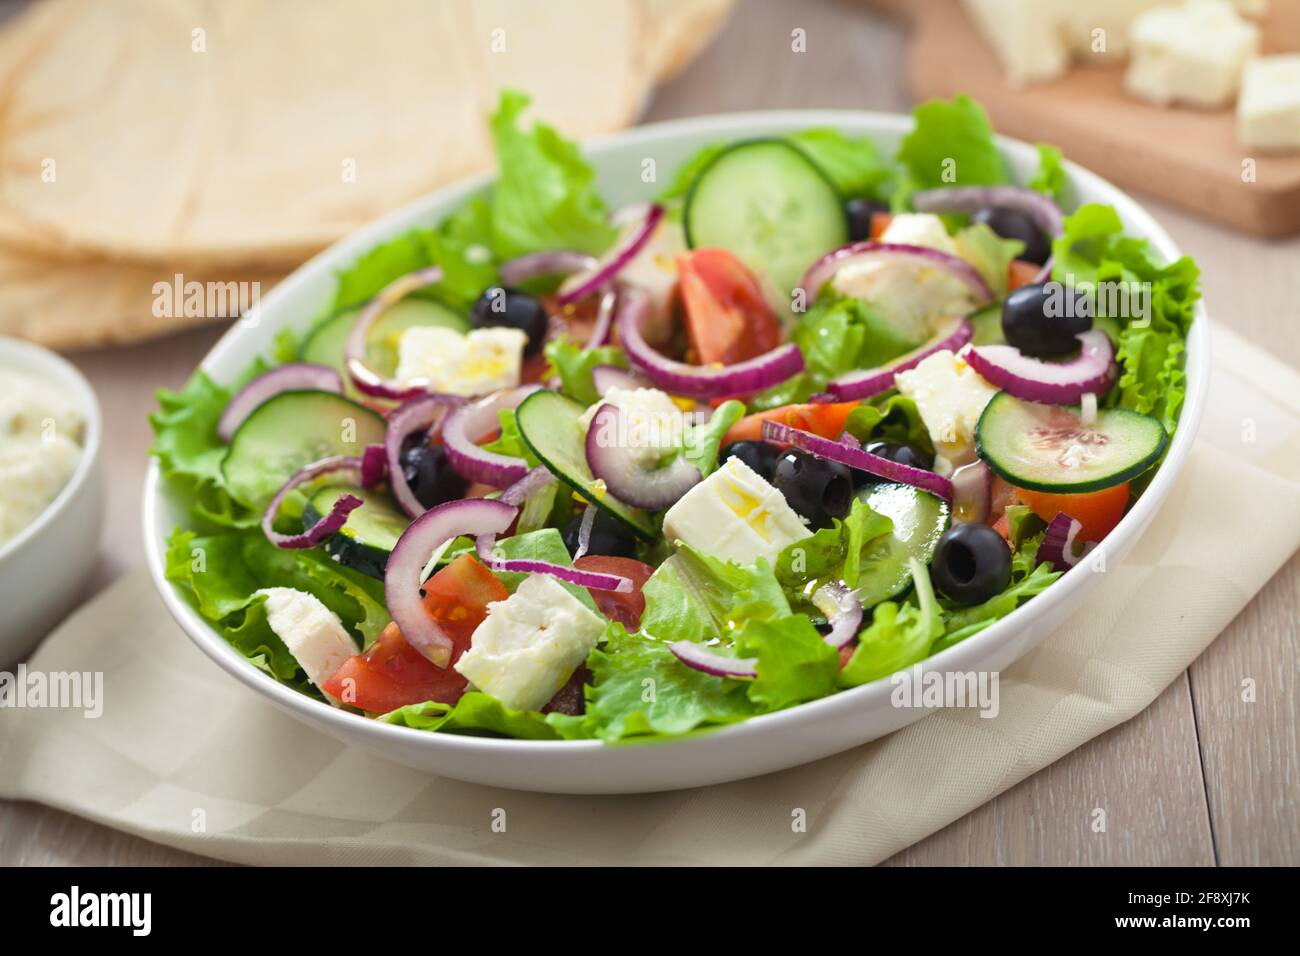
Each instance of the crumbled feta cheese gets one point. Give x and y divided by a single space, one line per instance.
1191 54
650 423
476 363
1268 112
950 398
735 515
530 644
312 632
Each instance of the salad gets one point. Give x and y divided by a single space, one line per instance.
805 417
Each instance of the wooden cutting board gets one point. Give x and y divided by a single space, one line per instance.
1186 156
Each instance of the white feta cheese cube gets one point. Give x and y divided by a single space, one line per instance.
1192 54
1026 35
482 361
950 398
1268 113
650 423
312 632
735 515
530 644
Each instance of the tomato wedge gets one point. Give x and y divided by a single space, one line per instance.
1097 511
826 420
392 674
879 223
624 608
727 318
1021 273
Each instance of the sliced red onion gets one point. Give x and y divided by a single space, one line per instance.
950 334
519 271
584 531
404 575
422 413
581 284
842 609
349 469
299 375
485 543
363 376
1058 543
857 458
1052 383
696 656
468 424
600 332
698 381
615 464
1045 213
972 493
605 377
374 465
824 268
521 490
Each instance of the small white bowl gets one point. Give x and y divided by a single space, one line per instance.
761 744
44 566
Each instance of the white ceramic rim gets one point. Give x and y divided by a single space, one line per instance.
837 706
42 360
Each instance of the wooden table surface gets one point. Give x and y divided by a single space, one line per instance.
1198 778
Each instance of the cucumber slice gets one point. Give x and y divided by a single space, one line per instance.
548 423
987 323
370 535
920 519
768 203
326 343
1048 448
290 430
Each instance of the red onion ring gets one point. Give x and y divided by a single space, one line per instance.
485 543
842 609
697 381
821 271
952 333
363 376
581 284
374 465
695 656
325 528
972 493
600 332
522 489
651 490
404 575
859 459
470 422
422 413
293 377
1045 213
537 264
1051 383
1058 543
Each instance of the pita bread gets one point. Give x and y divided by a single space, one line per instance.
246 132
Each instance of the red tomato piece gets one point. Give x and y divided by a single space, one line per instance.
1097 511
727 318
624 608
824 419
879 223
1021 273
392 673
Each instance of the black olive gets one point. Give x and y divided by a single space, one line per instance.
430 475
608 537
1014 224
1044 319
817 489
859 213
902 454
971 563
758 455
514 309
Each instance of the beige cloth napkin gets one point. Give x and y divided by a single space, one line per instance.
188 757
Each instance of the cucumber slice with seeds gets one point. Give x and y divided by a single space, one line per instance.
920 519
1049 448
370 535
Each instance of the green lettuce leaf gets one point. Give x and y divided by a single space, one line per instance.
700 443
962 622
476 714
989 253
795 664
952 144
889 417
574 364
834 553
545 196
693 596
899 634
1050 177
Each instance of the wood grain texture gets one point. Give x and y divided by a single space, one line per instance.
1146 773
1186 156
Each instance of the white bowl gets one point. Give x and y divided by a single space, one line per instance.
759 745
43 567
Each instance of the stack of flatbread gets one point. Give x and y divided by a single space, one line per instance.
228 141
